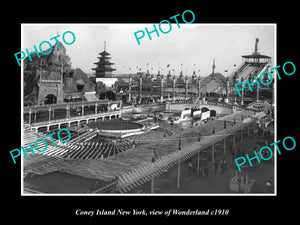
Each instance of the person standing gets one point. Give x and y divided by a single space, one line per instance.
223 166
199 138
269 185
206 171
190 166
216 165
200 172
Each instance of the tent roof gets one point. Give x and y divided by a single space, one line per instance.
218 77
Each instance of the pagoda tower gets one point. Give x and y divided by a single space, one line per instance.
103 68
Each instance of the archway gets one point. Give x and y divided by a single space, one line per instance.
50 99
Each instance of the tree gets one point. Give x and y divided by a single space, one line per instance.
100 88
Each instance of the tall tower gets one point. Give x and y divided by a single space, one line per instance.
103 68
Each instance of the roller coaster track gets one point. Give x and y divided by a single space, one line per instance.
148 170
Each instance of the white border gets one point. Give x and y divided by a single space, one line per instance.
274 59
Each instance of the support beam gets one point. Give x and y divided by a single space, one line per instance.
152 185
224 146
257 92
178 174
49 110
249 128
67 111
213 153
173 89
199 87
161 89
233 140
29 117
242 131
198 161
140 89
186 88
130 84
35 115
242 101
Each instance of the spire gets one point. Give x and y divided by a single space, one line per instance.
256 46
104 45
213 67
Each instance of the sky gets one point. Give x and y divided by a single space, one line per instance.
192 45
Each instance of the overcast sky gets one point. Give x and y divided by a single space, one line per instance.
188 45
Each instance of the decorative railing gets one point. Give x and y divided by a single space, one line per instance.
76 118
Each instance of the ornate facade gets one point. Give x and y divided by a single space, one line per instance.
49 79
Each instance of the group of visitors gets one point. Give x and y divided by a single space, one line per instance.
222 165
203 171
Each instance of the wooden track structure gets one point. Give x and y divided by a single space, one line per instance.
129 169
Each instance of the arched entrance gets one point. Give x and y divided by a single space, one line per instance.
110 95
50 99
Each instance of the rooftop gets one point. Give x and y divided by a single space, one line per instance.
218 77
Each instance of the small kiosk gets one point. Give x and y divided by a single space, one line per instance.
241 183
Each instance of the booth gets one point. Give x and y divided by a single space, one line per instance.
241 183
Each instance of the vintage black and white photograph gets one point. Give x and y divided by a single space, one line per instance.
129 109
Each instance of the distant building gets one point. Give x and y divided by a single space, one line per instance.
212 83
